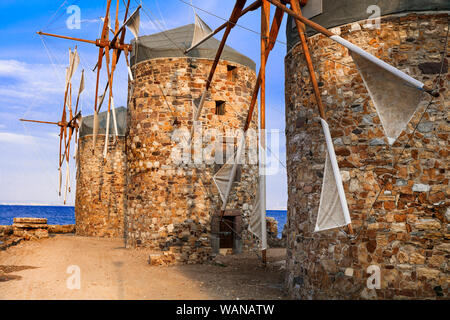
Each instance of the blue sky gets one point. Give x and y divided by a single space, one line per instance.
32 71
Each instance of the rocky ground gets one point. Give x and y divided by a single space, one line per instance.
39 270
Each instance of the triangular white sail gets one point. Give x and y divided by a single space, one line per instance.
82 85
74 61
255 216
257 224
333 208
201 31
66 85
222 178
113 110
395 100
225 176
395 94
96 126
133 23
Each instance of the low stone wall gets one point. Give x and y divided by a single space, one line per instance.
6 231
65 228
29 229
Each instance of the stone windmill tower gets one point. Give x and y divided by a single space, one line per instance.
100 192
174 206
397 190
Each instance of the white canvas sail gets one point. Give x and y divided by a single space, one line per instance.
225 176
95 129
201 31
74 61
82 85
113 110
257 224
66 85
133 23
222 178
255 216
333 208
395 100
395 94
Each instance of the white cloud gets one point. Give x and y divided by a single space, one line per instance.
15 138
23 81
26 139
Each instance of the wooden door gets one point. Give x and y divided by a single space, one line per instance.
226 232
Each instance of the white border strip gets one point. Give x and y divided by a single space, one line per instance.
337 174
379 62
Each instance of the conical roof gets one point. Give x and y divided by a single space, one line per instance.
87 125
172 43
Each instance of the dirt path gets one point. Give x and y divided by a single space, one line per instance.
38 270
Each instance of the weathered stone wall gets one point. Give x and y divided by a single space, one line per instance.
100 192
171 206
405 231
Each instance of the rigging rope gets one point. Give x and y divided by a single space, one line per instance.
158 26
54 14
219 17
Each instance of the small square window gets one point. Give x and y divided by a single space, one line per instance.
231 73
220 107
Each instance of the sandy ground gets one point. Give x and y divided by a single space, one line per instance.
38 270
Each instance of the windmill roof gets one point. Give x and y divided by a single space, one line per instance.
172 43
87 125
336 13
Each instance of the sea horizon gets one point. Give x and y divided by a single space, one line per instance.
65 214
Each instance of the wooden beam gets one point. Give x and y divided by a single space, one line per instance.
65 37
304 41
265 16
230 25
274 30
310 23
37 121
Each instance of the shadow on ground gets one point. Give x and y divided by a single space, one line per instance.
9 269
240 276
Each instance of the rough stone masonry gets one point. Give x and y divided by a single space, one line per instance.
100 193
398 195
174 207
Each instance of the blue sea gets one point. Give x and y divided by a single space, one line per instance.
55 215
280 216
66 215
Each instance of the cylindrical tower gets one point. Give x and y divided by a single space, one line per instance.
172 206
397 194
100 192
